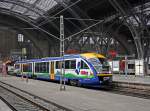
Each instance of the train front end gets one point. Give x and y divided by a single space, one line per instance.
104 72
101 69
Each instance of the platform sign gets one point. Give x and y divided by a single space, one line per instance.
115 66
139 67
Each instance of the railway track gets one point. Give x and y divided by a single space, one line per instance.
134 90
129 89
19 100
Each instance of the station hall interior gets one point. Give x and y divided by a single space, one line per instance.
118 29
78 43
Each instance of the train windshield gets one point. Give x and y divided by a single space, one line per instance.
100 64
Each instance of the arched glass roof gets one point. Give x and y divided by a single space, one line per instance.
144 9
31 8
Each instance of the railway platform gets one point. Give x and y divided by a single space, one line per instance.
132 79
3 106
79 99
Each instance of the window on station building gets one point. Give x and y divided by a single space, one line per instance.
131 66
20 37
84 65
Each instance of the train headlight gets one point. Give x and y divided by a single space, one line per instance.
106 78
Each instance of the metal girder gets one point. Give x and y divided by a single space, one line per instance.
30 7
32 24
65 8
34 6
26 5
17 15
101 43
133 30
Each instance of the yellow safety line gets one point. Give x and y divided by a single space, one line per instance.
104 74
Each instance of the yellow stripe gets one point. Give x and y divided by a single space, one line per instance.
104 74
92 55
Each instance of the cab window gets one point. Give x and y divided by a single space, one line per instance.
84 65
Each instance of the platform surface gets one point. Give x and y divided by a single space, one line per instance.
3 106
131 79
80 99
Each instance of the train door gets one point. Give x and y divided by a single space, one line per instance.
33 69
21 68
52 72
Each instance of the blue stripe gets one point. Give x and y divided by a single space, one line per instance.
49 59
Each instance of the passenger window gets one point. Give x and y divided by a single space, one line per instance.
72 64
27 67
17 66
148 66
58 64
37 67
67 64
84 65
42 67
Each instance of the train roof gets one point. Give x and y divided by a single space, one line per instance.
92 55
69 56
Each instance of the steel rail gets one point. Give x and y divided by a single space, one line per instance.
58 107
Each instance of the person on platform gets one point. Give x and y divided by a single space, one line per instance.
4 69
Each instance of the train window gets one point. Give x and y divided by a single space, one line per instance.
47 67
58 64
72 64
27 67
84 65
103 61
17 66
67 64
148 66
37 67
131 66
42 67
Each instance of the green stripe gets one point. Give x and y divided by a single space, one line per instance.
70 75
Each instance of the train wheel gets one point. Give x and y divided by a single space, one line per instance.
34 76
74 83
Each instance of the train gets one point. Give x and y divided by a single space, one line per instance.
90 69
132 66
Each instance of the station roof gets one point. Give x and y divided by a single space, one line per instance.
40 13
31 8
